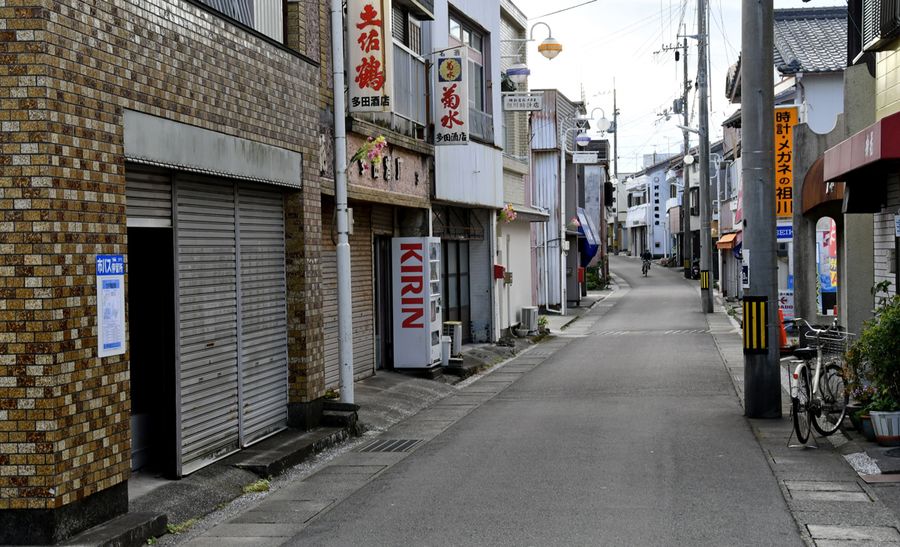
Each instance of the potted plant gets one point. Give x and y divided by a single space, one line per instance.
877 352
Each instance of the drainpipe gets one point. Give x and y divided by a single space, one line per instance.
345 309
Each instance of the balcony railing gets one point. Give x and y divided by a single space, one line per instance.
409 85
481 124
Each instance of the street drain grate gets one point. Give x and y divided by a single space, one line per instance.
390 445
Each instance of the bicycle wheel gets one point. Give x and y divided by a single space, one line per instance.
831 400
800 406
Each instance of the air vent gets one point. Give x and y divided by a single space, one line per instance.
390 445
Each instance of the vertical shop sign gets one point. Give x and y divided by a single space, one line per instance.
452 96
110 305
370 51
785 120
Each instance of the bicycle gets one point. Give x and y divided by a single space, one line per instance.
645 267
819 395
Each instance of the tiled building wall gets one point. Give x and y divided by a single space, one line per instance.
887 84
69 70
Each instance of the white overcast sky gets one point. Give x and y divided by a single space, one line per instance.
617 40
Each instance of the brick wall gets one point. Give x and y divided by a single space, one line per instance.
68 71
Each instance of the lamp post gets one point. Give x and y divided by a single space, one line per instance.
550 47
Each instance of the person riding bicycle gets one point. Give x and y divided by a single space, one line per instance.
646 256
645 261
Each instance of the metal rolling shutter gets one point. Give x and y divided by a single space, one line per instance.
148 198
263 343
207 320
363 296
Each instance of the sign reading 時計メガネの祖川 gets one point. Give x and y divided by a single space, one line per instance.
370 52
452 96
785 120
110 305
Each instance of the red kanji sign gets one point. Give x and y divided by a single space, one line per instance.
453 99
370 52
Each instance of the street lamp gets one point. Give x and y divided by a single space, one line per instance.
549 48
602 124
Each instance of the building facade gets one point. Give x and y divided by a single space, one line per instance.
180 140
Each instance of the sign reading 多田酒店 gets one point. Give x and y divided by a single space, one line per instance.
452 95
370 52
110 274
785 120
522 102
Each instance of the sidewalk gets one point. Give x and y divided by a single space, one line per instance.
217 493
832 503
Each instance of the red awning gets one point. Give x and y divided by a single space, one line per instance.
877 143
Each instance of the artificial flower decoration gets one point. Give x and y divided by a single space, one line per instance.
508 214
372 150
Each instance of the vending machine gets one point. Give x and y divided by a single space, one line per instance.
416 265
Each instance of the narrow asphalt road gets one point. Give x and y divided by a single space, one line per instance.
630 435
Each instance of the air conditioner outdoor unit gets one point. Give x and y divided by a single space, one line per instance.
530 318
453 329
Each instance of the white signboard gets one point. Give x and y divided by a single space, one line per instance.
110 305
786 303
584 157
370 52
452 96
522 102
745 269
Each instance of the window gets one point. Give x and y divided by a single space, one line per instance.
263 16
463 33
695 201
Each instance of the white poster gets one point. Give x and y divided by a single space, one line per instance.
745 269
110 305
452 96
370 51
786 303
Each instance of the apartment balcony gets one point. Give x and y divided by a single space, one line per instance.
410 115
637 184
637 215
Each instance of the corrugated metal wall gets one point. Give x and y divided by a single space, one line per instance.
545 170
543 124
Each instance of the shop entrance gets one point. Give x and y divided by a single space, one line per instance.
384 346
455 280
151 312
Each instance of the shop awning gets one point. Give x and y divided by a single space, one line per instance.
727 241
591 242
880 142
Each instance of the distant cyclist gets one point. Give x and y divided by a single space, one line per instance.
645 261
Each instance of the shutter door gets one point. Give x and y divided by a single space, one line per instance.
207 320
148 198
263 345
363 296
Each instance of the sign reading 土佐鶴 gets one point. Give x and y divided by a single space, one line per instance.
785 120
370 52
452 95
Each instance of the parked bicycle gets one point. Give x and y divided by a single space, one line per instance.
819 394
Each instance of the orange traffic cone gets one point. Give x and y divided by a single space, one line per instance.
784 342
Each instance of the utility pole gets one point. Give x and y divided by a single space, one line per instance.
686 248
762 386
345 306
616 237
706 296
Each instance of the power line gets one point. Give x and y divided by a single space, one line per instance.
562 10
